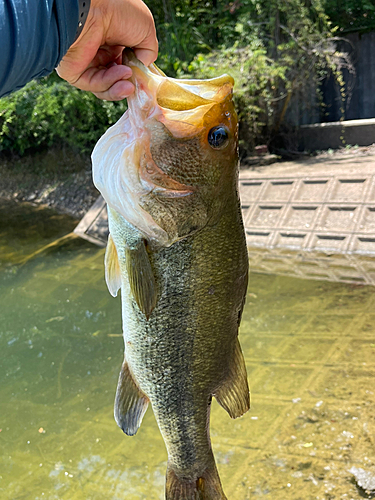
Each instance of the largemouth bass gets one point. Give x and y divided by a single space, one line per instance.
168 171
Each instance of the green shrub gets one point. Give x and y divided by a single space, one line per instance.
268 74
52 112
258 79
274 49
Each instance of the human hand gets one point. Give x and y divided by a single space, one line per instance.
94 61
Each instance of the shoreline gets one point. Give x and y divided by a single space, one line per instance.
58 179
61 179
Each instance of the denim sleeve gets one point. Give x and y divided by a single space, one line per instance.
34 36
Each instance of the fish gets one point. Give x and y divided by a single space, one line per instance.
168 170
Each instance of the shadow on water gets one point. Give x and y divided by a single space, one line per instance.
310 354
26 228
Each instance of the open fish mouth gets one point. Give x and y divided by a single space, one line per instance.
153 156
183 106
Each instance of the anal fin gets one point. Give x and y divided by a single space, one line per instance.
112 268
141 277
233 395
130 403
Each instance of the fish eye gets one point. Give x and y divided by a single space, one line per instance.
218 137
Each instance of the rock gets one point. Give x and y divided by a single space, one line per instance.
261 150
256 161
364 479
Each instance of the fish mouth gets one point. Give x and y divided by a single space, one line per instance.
181 105
124 168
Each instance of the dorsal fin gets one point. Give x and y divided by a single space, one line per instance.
112 268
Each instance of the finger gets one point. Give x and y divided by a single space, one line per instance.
118 91
100 79
146 56
147 50
107 54
78 60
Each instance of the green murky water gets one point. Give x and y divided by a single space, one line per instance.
310 353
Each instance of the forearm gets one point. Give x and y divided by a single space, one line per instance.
34 36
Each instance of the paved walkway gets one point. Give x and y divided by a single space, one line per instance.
313 218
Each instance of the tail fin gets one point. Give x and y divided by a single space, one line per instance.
206 486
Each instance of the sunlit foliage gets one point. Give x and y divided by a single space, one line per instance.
273 48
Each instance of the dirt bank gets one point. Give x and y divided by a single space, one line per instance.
60 179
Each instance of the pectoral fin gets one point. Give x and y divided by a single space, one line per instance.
130 403
141 278
112 268
233 395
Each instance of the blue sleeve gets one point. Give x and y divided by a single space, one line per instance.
34 36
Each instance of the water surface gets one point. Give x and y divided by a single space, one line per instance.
310 354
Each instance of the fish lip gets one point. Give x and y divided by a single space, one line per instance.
130 59
154 90
180 105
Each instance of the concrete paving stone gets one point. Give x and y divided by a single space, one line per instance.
318 211
345 383
326 324
338 219
312 189
265 348
313 208
280 380
356 351
251 190
350 189
278 190
307 350
275 323
367 222
312 212
301 216
265 215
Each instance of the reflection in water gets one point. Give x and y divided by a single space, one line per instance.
25 228
357 268
310 353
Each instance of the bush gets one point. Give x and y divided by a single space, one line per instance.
274 49
258 79
51 112
289 54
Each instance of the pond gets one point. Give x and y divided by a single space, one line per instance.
310 353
